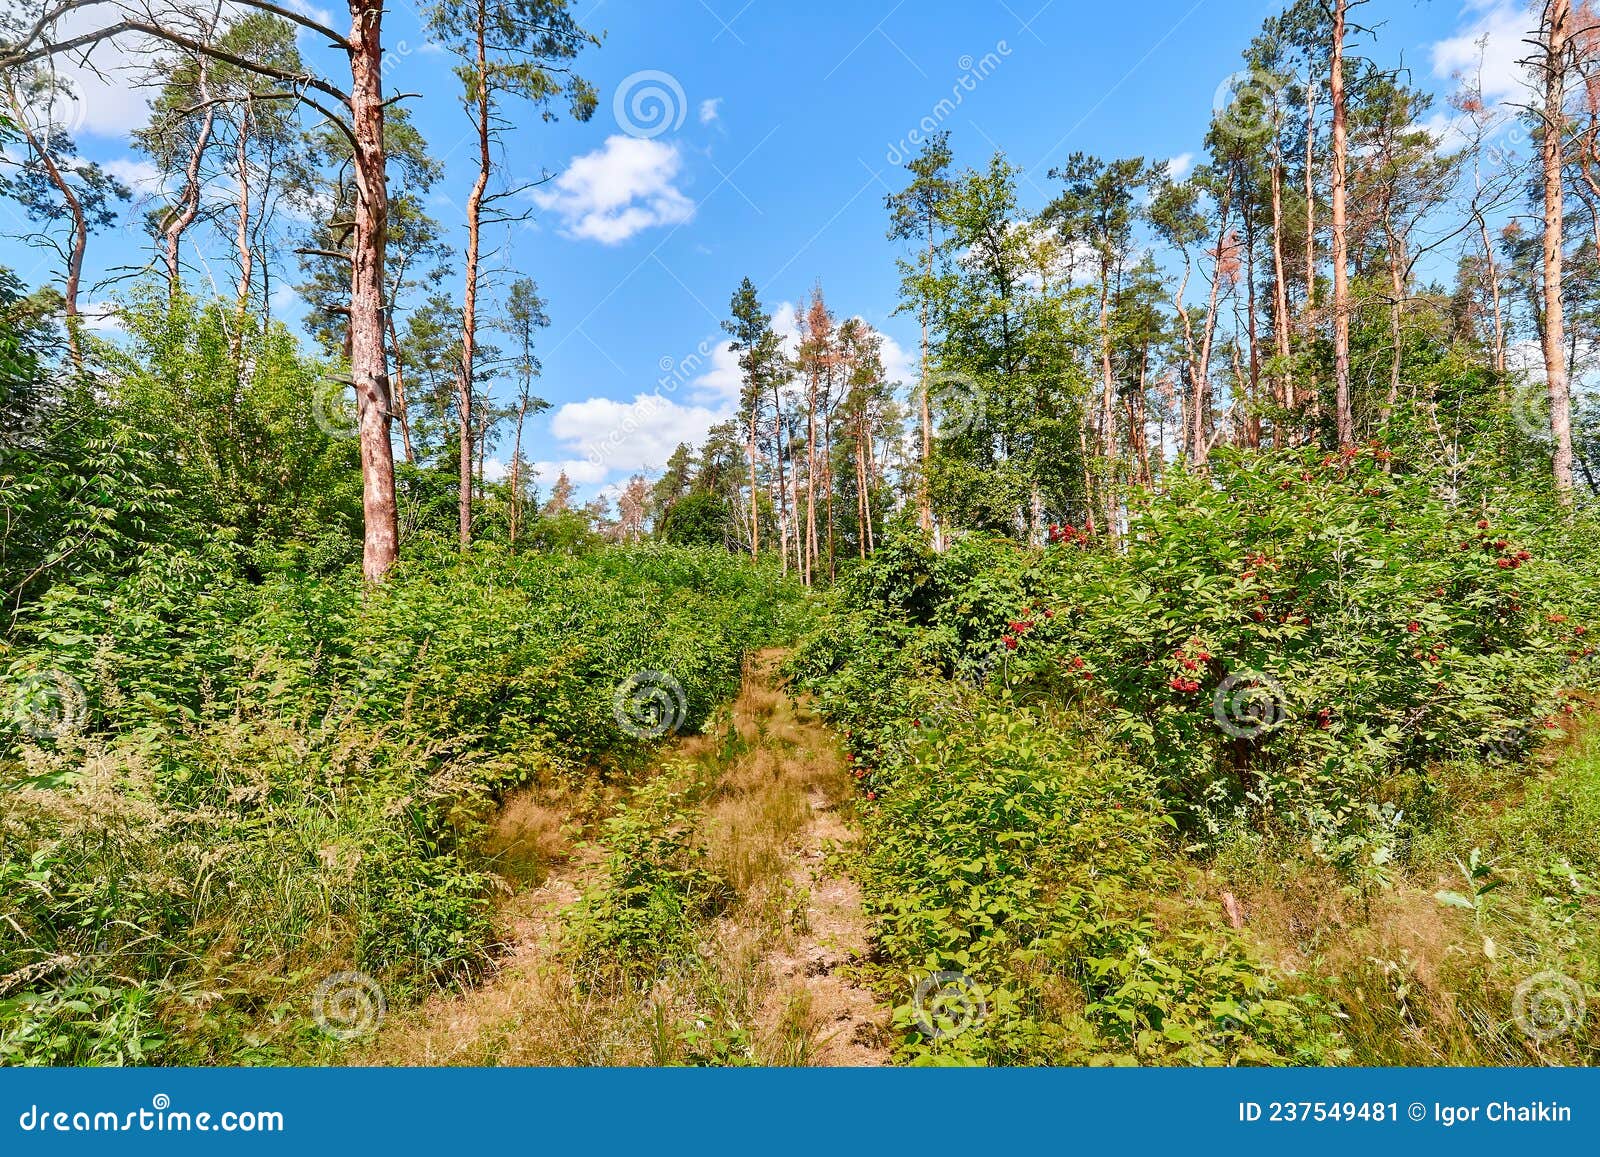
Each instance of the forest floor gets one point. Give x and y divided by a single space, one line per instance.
774 979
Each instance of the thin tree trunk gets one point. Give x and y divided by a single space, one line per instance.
516 469
1397 290
1344 414
79 234
755 506
369 236
1202 375
178 221
241 239
1280 295
1311 193
1556 30
469 298
400 408
924 496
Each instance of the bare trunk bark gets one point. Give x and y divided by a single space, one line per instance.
1344 414
1280 297
179 220
755 506
469 296
241 239
368 360
400 409
925 497
79 235
1200 447
516 469
1556 30
1311 193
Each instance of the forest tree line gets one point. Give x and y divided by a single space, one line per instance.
1350 258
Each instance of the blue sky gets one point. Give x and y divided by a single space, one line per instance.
759 138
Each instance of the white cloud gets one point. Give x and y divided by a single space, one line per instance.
101 317
579 471
900 365
619 190
1178 167
141 176
321 15
1492 41
622 437
710 110
719 386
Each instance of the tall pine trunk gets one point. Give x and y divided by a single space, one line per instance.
469 296
1556 31
1344 413
369 239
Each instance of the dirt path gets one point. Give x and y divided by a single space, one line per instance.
772 981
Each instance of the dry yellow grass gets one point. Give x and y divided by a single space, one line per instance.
767 975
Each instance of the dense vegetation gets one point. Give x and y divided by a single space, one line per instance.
1305 671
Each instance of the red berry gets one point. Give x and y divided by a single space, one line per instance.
1413 626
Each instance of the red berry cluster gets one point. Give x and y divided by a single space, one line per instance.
1016 628
1066 532
1189 657
1505 557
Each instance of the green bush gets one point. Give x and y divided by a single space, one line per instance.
267 782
